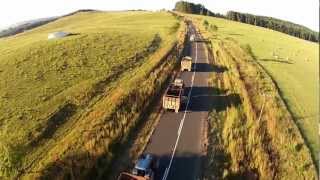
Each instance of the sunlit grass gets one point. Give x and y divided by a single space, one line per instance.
40 79
270 146
294 65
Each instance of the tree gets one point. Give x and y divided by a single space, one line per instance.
275 24
214 27
187 7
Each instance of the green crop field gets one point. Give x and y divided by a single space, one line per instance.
292 63
47 85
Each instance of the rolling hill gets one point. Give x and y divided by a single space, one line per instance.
68 104
257 58
292 63
59 95
24 26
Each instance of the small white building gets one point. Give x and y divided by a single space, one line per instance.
56 35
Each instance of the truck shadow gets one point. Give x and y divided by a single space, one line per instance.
211 98
205 67
83 166
276 61
56 120
186 166
182 167
189 166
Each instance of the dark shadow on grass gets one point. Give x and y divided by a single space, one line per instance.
235 34
87 166
54 122
277 61
77 167
247 175
186 166
73 34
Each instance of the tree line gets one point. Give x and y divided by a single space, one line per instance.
262 21
275 24
191 8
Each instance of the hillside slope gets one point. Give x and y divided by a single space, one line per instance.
253 55
293 64
48 85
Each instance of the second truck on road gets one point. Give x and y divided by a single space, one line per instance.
174 95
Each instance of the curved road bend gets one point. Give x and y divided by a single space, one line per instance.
177 138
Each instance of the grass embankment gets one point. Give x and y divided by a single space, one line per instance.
65 102
241 142
292 63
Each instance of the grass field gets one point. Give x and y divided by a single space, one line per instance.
292 63
48 86
242 142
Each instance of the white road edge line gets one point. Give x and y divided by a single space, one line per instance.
182 120
165 173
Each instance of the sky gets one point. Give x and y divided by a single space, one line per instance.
304 12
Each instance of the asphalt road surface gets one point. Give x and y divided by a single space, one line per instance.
177 138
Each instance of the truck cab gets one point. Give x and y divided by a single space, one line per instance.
186 63
145 166
192 38
144 169
179 82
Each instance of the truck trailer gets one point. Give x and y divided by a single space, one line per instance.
174 96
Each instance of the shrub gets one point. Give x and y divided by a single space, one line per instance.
213 27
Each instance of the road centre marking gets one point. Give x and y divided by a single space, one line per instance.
183 118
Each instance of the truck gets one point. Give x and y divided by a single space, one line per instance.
174 96
186 63
192 38
144 169
178 82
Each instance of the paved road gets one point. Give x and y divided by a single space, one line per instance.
177 138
